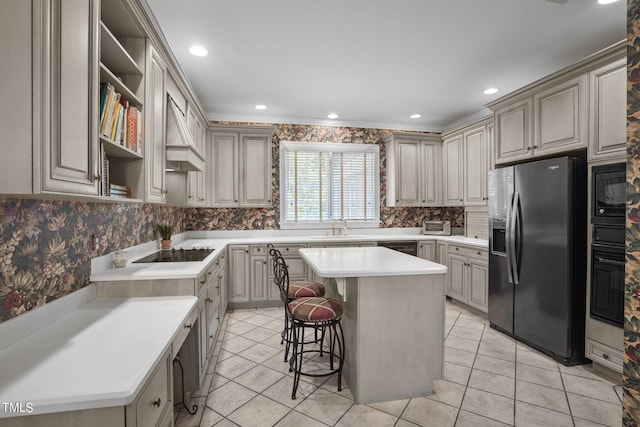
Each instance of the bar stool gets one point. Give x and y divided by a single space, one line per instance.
298 289
311 312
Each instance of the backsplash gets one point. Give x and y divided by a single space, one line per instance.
46 248
631 402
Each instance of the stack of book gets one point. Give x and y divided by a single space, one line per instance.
119 121
104 180
120 191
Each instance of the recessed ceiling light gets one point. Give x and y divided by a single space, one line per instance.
198 51
607 1
415 116
332 116
260 107
490 91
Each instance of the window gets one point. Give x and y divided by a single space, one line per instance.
322 182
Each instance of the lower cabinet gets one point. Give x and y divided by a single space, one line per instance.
251 274
296 266
468 280
427 250
155 400
239 274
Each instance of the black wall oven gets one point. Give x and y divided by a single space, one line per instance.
607 248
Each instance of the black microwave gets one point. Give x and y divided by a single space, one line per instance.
609 196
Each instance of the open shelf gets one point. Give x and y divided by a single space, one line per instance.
107 76
114 55
116 150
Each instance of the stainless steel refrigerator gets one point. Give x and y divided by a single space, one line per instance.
537 254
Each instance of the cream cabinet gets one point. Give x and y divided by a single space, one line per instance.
155 127
514 131
240 168
413 169
607 111
296 266
427 250
49 113
259 273
251 275
196 187
466 164
239 273
468 276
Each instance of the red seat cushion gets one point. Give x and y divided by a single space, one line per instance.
303 289
316 309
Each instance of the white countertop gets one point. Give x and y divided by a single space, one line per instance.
98 355
205 239
367 262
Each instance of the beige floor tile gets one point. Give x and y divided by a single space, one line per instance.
497 351
493 383
590 388
258 334
217 347
534 416
240 328
277 362
469 419
393 407
209 417
259 319
447 392
534 358
187 420
427 412
489 405
275 325
585 371
459 331
226 399
325 406
595 410
404 423
460 357
470 322
362 415
224 355
496 366
204 387
296 419
331 384
579 422
237 344
281 391
259 378
242 314
259 412
495 337
274 340
462 343
259 353
217 381
226 423
540 376
546 397
234 366
456 373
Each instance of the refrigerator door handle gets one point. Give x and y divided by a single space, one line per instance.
508 239
516 224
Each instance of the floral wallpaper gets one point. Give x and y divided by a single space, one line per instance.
631 403
46 245
268 218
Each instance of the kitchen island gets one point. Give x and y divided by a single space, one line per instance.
393 319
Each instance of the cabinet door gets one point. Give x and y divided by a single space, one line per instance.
453 179
223 283
224 160
457 277
560 117
258 278
70 112
202 341
255 166
491 147
442 253
239 273
430 174
478 284
475 167
155 106
608 116
408 173
513 131
427 250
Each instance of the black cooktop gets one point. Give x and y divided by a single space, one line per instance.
176 255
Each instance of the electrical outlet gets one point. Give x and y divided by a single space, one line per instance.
94 242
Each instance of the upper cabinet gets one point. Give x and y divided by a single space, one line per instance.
466 163
155 136
581 105
239 171
413 169
607 111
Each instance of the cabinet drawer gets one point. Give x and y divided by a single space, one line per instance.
153 401
467 251
295 265
289 249
258 249
184 331
604 355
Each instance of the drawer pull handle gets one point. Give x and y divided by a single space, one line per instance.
187 326
457 249
157 402
210 336
286 249
209 300
209 273
478 252
605 355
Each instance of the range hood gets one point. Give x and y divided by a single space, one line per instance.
182 155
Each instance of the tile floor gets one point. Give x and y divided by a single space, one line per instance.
489 380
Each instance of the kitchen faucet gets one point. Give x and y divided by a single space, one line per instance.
342 230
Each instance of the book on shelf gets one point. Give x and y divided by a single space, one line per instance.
139 132
132 128
107 93
117 138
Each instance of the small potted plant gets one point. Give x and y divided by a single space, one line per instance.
165 231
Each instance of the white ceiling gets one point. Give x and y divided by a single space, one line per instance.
375 62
